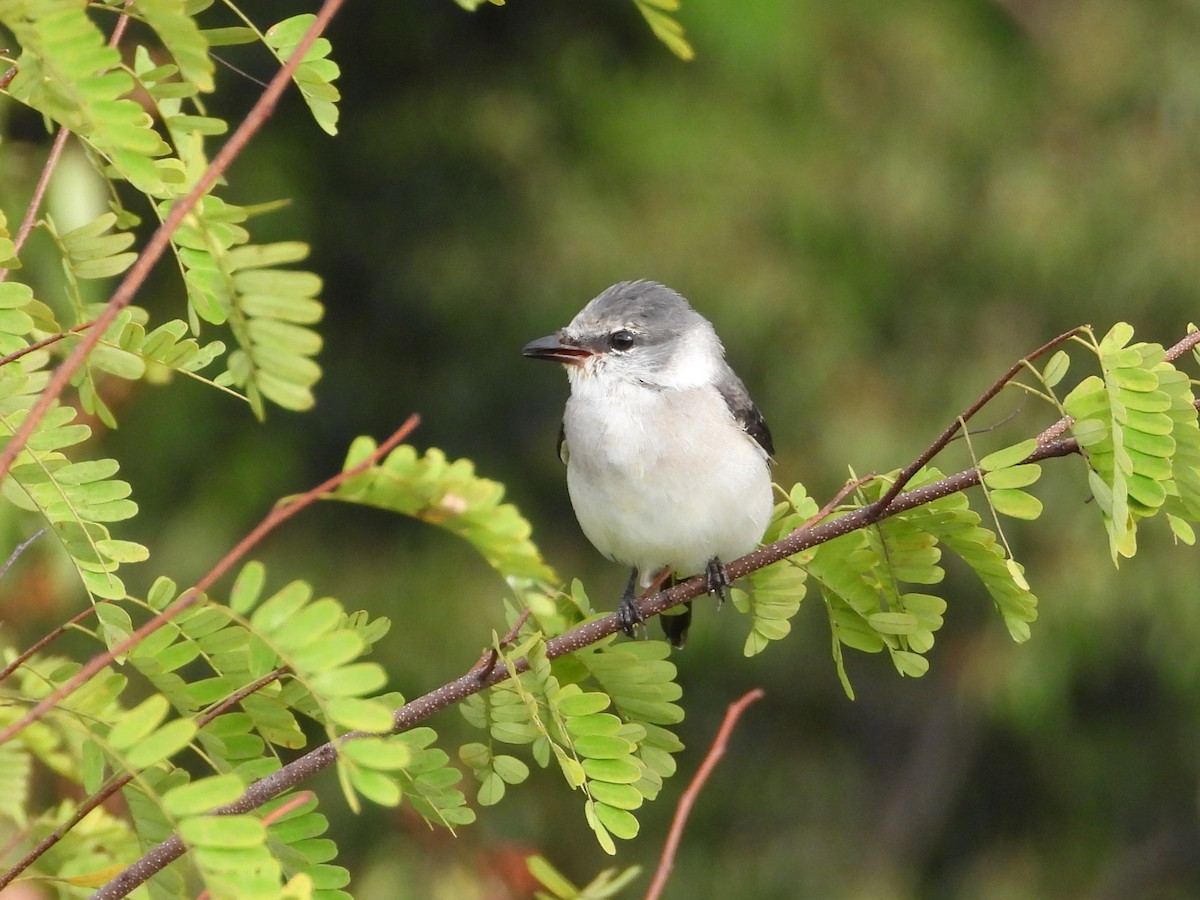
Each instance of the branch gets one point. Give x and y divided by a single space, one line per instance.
667 862
45 640
190 597
161 239
479 678
16 554
44 342
52 158
475 680
946 436
108 790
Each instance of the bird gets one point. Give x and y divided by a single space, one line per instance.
668 459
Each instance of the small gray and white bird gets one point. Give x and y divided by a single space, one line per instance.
668 458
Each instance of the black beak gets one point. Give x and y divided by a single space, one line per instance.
557 348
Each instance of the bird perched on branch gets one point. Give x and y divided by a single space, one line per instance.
668 458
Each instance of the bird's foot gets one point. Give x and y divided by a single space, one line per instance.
629 612
717 580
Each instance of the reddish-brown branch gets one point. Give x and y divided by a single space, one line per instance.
1063 425
39 191
946 436
190 597
116 784
421 708
667 861
44 342
489 659
52 158
161 238
45 640
1188 343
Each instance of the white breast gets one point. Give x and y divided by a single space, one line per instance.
652 486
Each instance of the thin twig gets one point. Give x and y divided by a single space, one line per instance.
837 498
484 667
161 239
667 861
945 437
421 708
52 158
1059 428
53 635
20 548
190 597
39 192
117 784
44 342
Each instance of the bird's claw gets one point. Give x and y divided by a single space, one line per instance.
629 614
717 580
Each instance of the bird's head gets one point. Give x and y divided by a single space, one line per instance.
637 331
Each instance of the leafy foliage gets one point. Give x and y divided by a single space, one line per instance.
1131 422
68 73
213 700
778 589
608 883
452 496
618 759
315 74
657 14
282 658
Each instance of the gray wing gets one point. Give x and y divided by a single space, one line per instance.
737 398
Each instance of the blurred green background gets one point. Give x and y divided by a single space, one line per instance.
881 204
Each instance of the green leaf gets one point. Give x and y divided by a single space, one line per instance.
665 28
314 75
596 746
596 725
620 822
336 650
911 664
222 831
350 681
138 722
576 703
450 495
893 623
1017 504
309 624
247 588
378 753
550 878
376 786
511 769
1056 368
1009 456
1014 477
203 795
360 715
623 796
617 771
229 36
162 744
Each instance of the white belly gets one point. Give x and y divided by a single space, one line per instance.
653 488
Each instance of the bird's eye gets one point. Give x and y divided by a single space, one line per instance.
621 340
